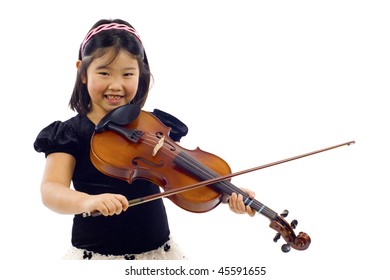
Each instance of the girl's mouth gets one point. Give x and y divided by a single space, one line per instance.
113 98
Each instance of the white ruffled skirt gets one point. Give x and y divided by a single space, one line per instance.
169 251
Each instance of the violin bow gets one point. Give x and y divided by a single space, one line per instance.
167 193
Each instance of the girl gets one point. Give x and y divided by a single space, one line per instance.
112 70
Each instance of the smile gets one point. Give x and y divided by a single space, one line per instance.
113 97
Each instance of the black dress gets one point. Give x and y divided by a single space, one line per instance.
141 228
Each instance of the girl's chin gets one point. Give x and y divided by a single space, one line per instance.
112 106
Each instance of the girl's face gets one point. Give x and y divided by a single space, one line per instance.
111 84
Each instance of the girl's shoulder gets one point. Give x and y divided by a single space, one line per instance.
62 136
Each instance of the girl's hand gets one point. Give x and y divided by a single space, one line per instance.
107 204
237 205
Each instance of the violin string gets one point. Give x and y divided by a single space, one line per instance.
151 142
226 186
192 164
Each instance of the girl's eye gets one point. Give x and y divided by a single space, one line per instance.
128 74
103 73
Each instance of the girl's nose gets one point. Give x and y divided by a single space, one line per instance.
115 84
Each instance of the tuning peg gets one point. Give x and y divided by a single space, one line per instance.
276 238
284 214
286 248
294 224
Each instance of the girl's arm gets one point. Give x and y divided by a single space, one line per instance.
59 197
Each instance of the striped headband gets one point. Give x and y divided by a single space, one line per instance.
108 26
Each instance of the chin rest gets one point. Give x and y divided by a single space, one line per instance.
120 116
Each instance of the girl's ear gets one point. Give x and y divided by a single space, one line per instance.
78 65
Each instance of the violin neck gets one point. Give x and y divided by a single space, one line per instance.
256 205
203 172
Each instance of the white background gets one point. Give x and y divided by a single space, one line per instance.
255 81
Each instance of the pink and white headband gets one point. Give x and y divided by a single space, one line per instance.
107 26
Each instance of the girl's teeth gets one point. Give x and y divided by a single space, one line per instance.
112 97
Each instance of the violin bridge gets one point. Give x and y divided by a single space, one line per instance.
158 146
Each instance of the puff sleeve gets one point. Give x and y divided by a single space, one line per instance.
57 137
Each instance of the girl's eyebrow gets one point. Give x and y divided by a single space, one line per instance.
108 67
98 67
130 68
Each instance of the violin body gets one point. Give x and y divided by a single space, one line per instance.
116 156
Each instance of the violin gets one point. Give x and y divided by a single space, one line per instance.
131 144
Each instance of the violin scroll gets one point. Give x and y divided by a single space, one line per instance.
286 230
